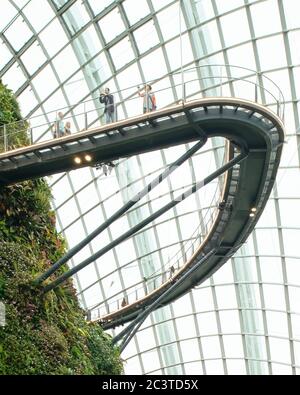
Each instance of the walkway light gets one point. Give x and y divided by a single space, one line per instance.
77 160
88 158
254 209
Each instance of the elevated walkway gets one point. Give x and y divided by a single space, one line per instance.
255 135
174 125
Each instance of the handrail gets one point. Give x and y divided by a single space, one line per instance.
215 86
257 73
226 65
8 132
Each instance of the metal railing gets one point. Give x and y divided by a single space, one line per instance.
197 82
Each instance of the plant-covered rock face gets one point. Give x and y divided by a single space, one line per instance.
43 334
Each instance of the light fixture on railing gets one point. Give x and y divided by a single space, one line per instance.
88 158
254 209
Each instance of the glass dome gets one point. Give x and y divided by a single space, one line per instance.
56 54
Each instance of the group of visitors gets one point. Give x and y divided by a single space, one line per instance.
106 98
107 167
61 128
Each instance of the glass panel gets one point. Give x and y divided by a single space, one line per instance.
168 20
175 57
230 321
76 17
266 53
277 324
237 19
33 58
18 33
154 65
66 63
290 12
207 324
274 297
225 6
146 37
190 350
185 327
134 13
122 53
53 37
14 77
39 13
111 25
233 346
271 270
280 350
211 347
98 6
5 55
9 11
45 82
259 12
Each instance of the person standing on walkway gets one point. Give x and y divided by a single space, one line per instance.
107 99
149 100
67 130
59 126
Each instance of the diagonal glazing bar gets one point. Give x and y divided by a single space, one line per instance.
121 211
146 221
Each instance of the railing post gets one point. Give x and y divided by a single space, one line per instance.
184 92
221 82
85 117
256 89
5 138
147 97
31 136
116 112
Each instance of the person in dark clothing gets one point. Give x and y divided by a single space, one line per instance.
109 110
124 302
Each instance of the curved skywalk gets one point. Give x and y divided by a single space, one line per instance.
255 135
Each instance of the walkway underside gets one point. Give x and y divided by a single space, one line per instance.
256 136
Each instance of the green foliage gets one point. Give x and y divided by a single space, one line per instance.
15 128
107 361
44 334
9 109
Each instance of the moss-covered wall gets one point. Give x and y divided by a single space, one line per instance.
44 334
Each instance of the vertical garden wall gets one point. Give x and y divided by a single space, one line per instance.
43 334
